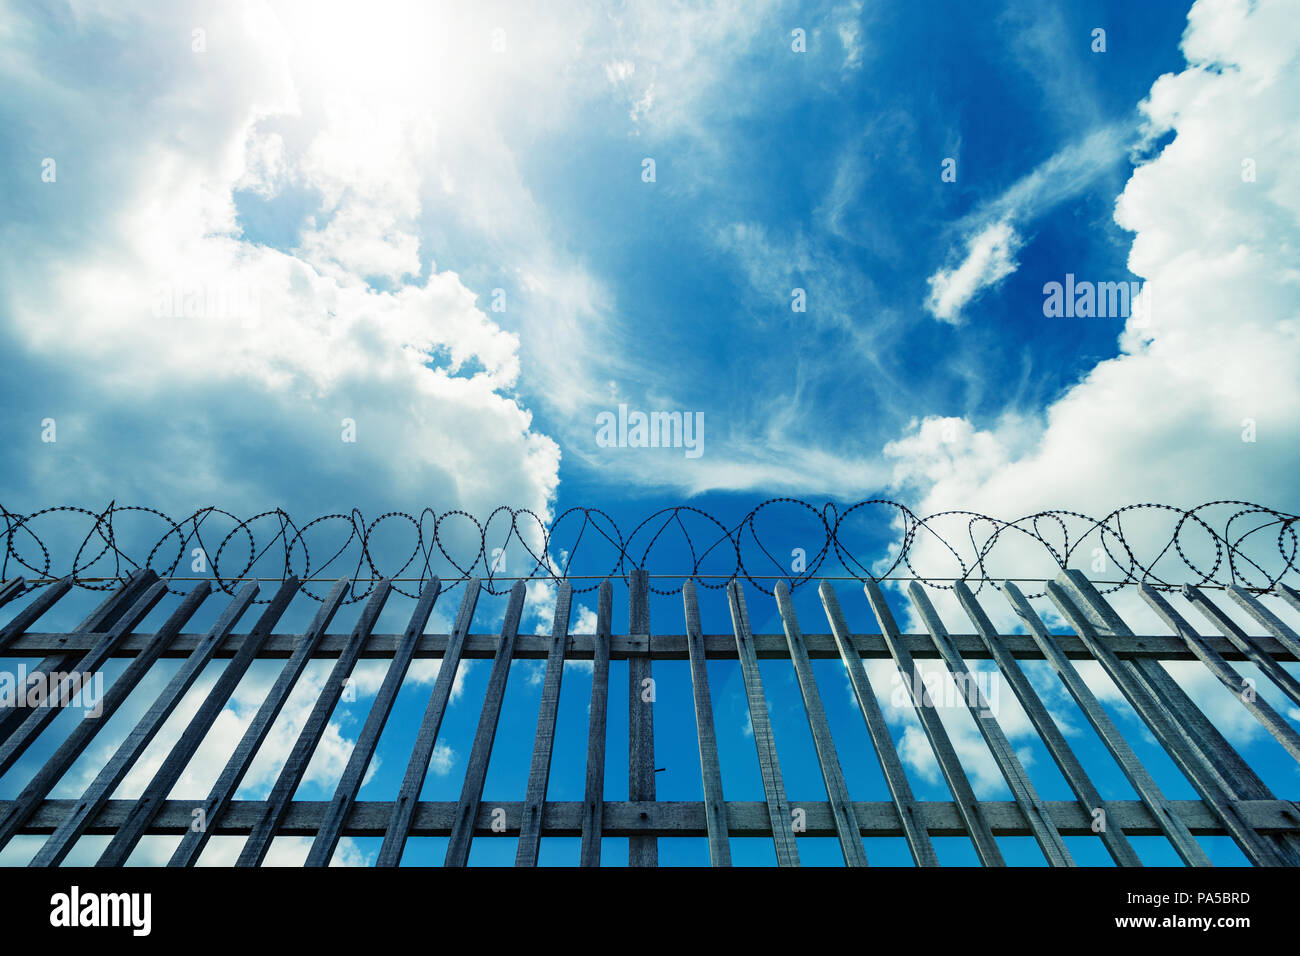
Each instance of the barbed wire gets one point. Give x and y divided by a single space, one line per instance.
1234 542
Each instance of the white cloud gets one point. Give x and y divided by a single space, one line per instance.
442 760
974 754
284 851
325 767
990 236
425 671
586 623
1163 421
126 277
222 851
990 257
849 28
619 71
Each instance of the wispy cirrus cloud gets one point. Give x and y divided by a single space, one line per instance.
990 236
990 258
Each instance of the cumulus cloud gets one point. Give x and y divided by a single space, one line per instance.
1220 350
140 272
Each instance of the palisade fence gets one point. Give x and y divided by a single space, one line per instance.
1233 800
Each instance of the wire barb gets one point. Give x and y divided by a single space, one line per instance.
1236 543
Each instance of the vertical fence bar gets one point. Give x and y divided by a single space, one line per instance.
1272 623
778 807
102 618
140 736
38 788
327 837
1244 642
837 791
1165 725
1291 596
471 793
918 838
1172 825
399 824
1226 674
24 619
119 602
111 774
1236 777
38 718
276 804
1118 845
11 589
223 791
48 669
593 804
715 806
539 771
146 807
52 770
1013 771
1242 783
968 807
33 610
642 850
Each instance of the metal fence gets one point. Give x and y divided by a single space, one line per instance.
1234 801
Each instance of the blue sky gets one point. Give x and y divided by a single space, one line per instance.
230 230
